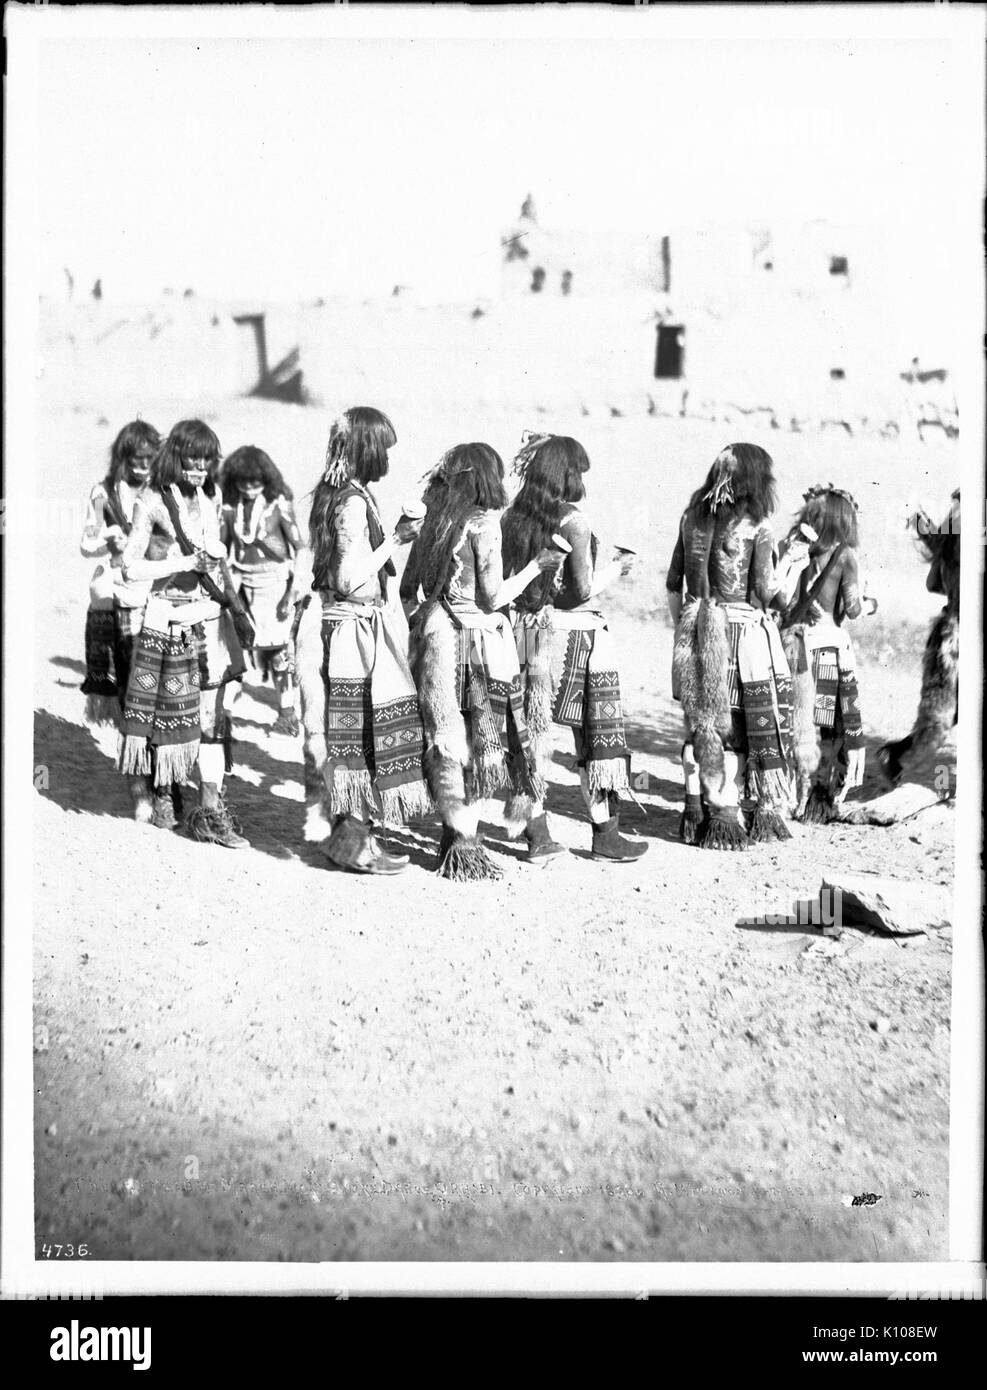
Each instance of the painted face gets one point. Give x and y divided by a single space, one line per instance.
195 471
249 488
139 464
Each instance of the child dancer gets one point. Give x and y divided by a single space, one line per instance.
464 656
262 538
188 650
566 654
821 656
362 725
728 667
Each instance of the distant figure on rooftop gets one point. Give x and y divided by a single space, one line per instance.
566 281
97 290
537 279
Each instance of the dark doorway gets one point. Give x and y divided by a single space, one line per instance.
670 350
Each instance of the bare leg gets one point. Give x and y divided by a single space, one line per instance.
212 820
281 674
597 803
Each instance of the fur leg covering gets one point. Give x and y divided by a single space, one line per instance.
141 791
819 807
805 736
700 659
768 823
932 738
463 859
444 776
890 757
539 697
723 830
926 760
317 822
433 665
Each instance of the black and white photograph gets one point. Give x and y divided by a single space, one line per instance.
487 799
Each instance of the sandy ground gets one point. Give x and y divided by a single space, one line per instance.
247 1056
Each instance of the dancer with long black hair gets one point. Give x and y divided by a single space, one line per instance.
729 668
116 606
174 720
362 724
565 649
827 727
464 656
263 540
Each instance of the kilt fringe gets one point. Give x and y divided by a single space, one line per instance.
487 773
166 762
135 756
768 786
607 774
408 802
516 808
350 792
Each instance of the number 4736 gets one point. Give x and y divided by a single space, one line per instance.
68 1252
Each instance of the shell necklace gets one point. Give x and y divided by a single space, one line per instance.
246 533
194 529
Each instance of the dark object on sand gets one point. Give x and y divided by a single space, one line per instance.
897 906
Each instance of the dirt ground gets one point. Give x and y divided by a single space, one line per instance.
247 1056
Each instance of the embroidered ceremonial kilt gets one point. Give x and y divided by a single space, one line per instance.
837 699
373 725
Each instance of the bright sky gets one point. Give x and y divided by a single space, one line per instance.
288 167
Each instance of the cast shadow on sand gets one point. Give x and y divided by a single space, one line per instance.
80 776
275 824
66 663
69 663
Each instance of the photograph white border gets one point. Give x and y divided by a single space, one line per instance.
963 131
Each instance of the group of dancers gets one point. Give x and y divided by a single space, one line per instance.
443 695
